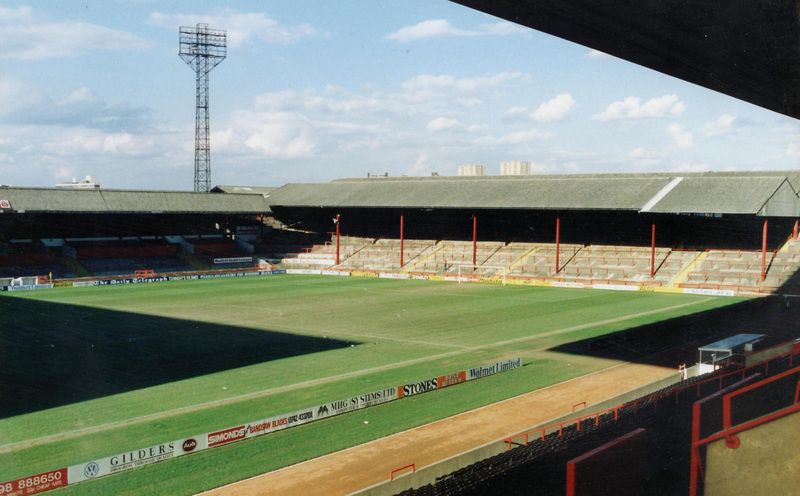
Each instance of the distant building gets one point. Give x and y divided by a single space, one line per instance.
515 168
472 170
86 183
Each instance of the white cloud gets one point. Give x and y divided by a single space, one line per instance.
681 137
27 103
597 54
633 108
642 153
721 126
515 114
433 28
689 167
643 157
442 123
242 28
78 141
421 166
23 35
428 82
793 149
504 28
516 138
441 28
555 109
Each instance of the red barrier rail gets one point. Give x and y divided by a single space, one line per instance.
726 400
576 405
412 466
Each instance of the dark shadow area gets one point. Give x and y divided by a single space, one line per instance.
675 341
55 354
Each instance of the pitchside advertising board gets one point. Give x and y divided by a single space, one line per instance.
128 460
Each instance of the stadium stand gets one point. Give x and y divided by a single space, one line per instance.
673 424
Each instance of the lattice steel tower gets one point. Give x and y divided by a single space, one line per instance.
203 49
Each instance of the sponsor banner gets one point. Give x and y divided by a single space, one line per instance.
616 287
34 484
226 436
354 403
280 271
710 292
419 277
495 368
26 287
451 379
460 279
342 273
527 282
392 275
363 273
415 388
228 260
192 444
165 451
314 272
279 422
561 284
191 277
122 461
5 205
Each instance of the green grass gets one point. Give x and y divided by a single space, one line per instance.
122 352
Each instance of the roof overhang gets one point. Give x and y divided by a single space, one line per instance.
748 49
105 201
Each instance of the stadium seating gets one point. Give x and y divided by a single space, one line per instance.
666 419
320 256
384 254
28 259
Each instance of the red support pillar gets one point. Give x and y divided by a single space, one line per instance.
794 231
653 251
474 239
764 251
558 244
401 241
336 220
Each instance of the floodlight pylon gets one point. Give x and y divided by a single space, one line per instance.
203 49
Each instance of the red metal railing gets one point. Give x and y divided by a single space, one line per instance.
412 466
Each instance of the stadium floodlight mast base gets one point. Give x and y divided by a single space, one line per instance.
203 49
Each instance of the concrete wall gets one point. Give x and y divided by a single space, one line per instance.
766 462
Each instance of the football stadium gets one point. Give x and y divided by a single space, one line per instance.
609 333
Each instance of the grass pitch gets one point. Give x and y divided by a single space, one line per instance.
89 372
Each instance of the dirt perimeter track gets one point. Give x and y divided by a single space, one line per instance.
361 466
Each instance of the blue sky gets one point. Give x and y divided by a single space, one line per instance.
318 90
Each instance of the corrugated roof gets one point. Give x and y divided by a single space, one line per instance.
606 193
261 190
754 193
128 201
730 195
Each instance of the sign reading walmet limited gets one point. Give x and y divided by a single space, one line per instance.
496 368
145 456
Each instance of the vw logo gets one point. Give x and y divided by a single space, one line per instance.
90 470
